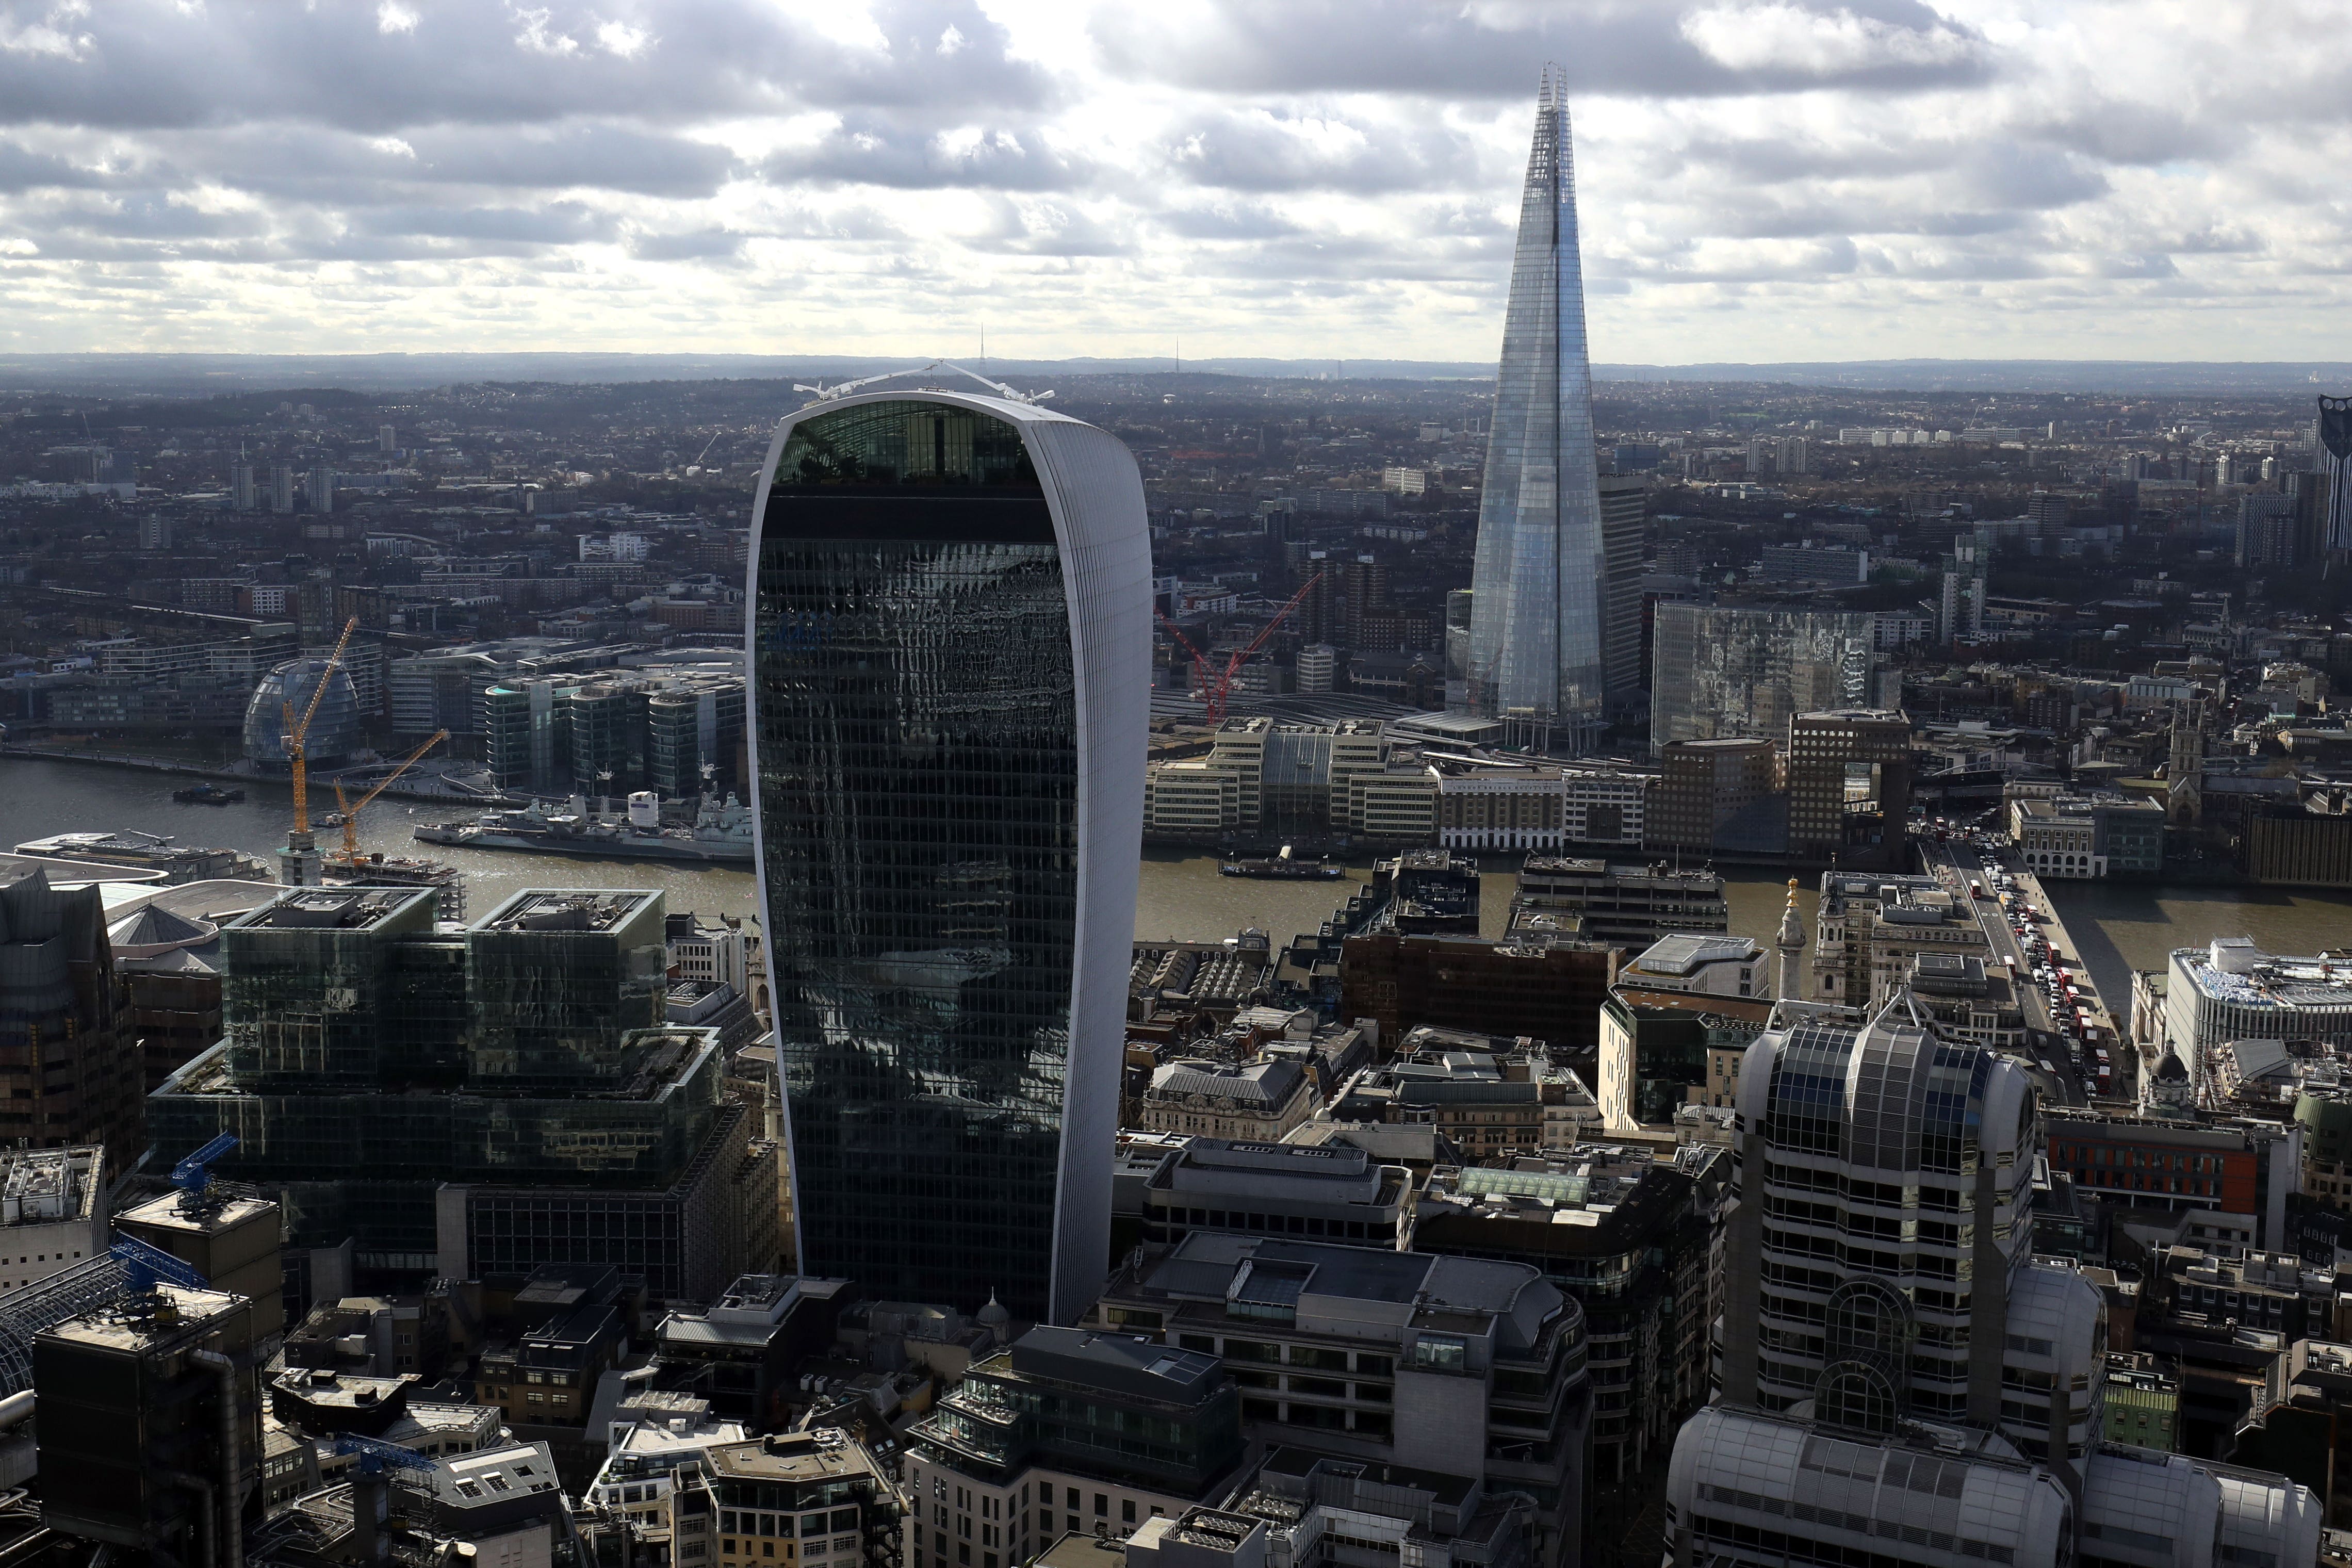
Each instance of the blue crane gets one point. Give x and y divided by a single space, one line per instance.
375 1458
190 1174
144 1265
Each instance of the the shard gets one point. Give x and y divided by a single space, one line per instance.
1538 606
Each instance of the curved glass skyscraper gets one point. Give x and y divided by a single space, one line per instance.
1539 586
950 639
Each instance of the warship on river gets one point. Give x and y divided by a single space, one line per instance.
720 835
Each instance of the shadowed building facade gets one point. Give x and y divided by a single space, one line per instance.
950 643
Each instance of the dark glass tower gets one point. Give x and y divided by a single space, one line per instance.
951 645
2333 456
1538 610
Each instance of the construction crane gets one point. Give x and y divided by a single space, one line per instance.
194 1174
351 814
1213 687
298 861
298 736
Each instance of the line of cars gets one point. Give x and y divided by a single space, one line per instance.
2066 995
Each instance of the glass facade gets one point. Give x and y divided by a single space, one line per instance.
2332 449
371 1056
917 726
334 734
1538 613
1724 674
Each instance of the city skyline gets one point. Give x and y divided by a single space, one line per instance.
1781 182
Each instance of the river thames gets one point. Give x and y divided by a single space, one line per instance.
2120 926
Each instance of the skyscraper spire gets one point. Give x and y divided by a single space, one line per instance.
1539 609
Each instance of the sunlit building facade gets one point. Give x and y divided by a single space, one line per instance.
950 644
1538 615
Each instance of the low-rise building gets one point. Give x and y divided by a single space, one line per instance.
1488 805
1385 1358
651 1434
794 1497
1872 926
1490 1097
52 1212
1714 966
1066 1431
1305 1510
1324 1191
1254 1101
1630 905
1968 1000
1633 1238
741 1351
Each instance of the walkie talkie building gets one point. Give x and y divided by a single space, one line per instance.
1538 608
950 639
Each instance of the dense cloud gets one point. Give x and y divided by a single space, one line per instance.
1759 179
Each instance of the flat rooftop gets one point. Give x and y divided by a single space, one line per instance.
333 909
585 909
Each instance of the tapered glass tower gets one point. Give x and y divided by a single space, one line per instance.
1539 607
951 641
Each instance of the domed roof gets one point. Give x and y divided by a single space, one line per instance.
334 735
996 1315
2170 1070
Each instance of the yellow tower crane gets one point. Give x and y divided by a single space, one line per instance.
350 855
298 863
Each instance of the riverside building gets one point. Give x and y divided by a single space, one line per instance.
950 634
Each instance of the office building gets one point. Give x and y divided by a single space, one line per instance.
335 737
1873 927
2231 990
1491 1098
740 1352
1379 1357
1631 1236
1628 906
1665 1049
1539 632
1511 805
476 1101
1625 516
2080 838
651 1436
1334 1191
1306 1510
1707 965
2332 460
1810 564
1550 992
1065 1432
952 636
69 1075
52 1212
150 1422
1257 1102
1964 998
1937 1397
233 1238
281 488
816 1493
1719 795
1717 671
1850 787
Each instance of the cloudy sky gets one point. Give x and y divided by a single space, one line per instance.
1759 179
